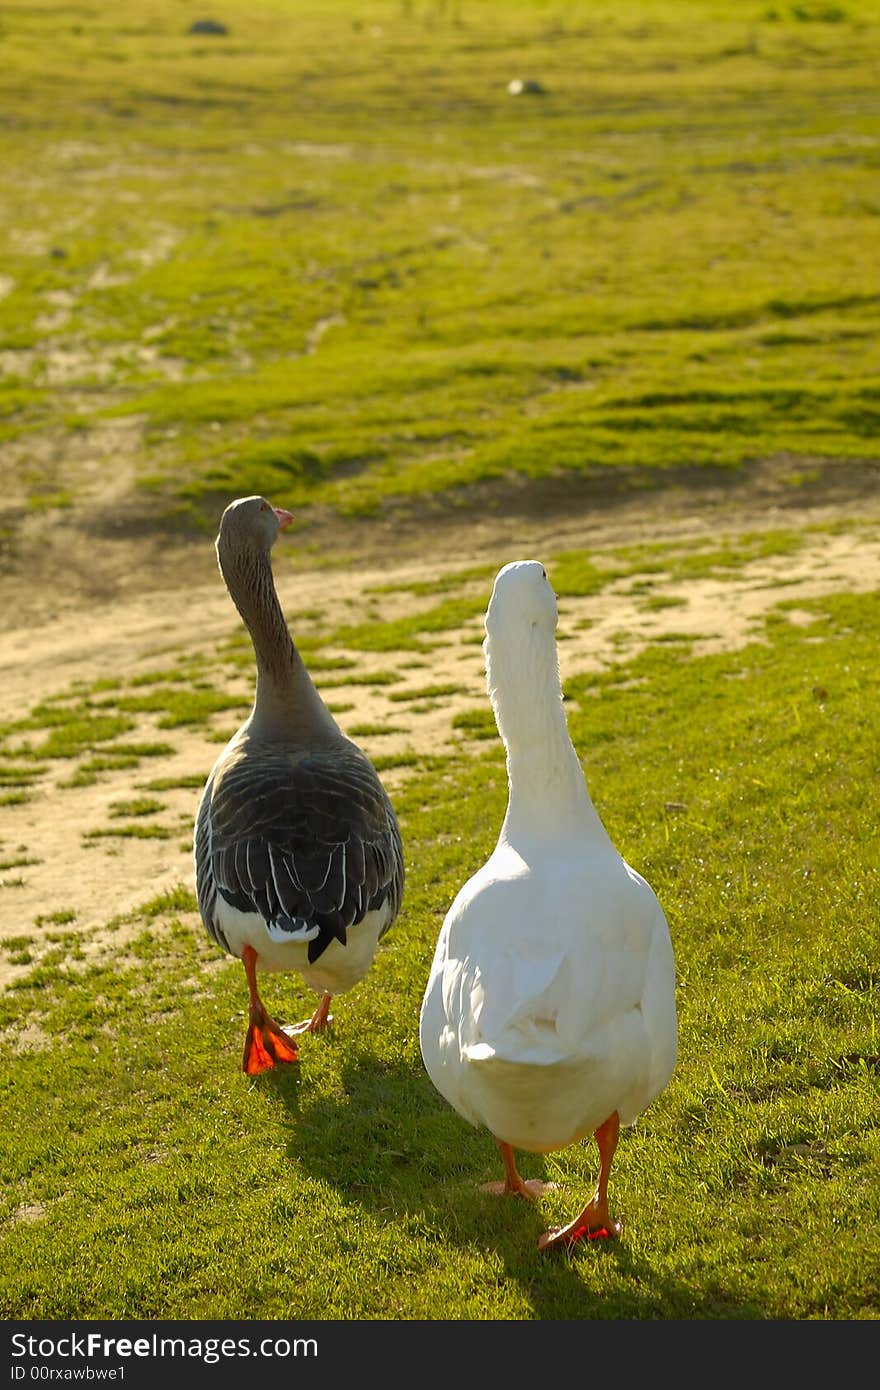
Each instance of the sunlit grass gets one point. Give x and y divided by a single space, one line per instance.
136 806
749 1189
175 706
184 781
410 633
330 259
664 262
425 692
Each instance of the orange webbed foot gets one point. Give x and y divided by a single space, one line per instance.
319 1021
590 1225
266 1045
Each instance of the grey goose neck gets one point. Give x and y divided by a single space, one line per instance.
287 706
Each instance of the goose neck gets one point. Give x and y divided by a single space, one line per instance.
286 703
547 790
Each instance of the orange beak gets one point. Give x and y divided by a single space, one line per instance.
284 518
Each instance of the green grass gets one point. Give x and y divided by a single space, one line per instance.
408 633
17 861
476 723
383 762
72 730
369 730
749 1189
425 692
666 262
84 728
177 899
131 831
59 918
113 758
380 678
424 588
150 749
579 574
347 269
176 707
46 501
183 782
656 602
13 775
136 806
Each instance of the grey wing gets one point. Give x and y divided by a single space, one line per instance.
206 882
310 842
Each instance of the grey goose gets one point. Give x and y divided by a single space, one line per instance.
298 855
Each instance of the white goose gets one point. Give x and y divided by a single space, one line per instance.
298 858
549 1013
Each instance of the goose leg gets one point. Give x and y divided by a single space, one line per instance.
265 1043
513 1185
594 1222
318 1021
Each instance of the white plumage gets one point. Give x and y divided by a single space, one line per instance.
549 1013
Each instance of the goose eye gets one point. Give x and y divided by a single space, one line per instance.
544 572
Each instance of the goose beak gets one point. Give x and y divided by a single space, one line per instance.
284 518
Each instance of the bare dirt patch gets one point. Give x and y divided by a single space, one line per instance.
111 607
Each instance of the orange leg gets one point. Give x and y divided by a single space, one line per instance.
594 1222
265 1043
318 1021
513 1185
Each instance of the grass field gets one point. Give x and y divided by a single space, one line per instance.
330 254
329 257
146 1178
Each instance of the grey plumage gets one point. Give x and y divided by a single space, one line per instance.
309 840
296 846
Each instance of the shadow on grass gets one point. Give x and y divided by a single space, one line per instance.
391 1147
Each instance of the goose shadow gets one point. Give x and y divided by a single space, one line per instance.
392 1148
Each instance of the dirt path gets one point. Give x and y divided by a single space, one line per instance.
51 873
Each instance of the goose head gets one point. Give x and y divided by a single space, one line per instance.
522 602
250 526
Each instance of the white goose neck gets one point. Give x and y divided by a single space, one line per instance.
547 791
